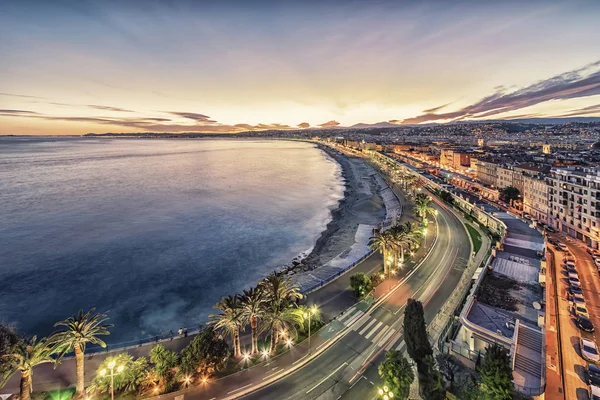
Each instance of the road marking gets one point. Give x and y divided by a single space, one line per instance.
374 330
380 334
363 330
360 323
238 389
327 377
386 337
354 318
274 373
348 313
300 359
322 344
400 345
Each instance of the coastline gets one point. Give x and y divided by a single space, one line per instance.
360 204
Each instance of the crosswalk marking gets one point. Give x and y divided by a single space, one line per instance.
399 347
380 334
343 317
374 330
356 327
363 330
354 318
387 336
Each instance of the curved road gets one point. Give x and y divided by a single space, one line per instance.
348 369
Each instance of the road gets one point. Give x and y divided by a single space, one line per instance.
574 365
348 369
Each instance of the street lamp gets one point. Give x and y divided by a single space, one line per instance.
308 314
111 366
385 393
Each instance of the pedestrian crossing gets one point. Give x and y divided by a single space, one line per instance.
368 327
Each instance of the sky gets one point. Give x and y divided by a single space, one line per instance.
73 67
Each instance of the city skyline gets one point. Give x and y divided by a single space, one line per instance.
74 68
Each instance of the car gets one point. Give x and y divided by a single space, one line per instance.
573 274
573 281
570 270
552 241
575 290
526 216
594 392
593 375
550 229
589 250
581 310
570 263
589 350
597 262
577 298
584 324
562 246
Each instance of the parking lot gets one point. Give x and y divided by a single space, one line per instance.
585 275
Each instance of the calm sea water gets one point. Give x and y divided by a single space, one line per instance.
152 231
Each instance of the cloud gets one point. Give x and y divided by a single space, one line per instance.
21 95
17 112
108 108
329 124
582 82
304 125
432 110
199 118
595 109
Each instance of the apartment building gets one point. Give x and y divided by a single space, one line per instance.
487 172
574 201
456 159
535 198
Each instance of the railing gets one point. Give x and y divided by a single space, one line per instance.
341 272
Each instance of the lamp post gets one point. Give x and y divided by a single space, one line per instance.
308 314
385 393
111 366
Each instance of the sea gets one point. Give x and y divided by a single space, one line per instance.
152 232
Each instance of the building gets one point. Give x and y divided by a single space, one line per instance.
455 159
546 149
506 177
487 172
574 202
535 198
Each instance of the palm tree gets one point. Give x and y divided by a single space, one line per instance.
280 313
25 355
383 241
282 321
404 238
230 320
79 330
253 301
423 205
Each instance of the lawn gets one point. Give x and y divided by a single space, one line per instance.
475 237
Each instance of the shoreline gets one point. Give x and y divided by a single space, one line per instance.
360 204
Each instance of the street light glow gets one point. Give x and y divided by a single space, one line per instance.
111 364
289 342
103 372
246 356
265 353
120 369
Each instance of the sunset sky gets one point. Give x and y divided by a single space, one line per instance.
72 67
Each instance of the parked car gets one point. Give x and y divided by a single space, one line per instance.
526 216
585 324
562 247
577 298
589 350
597 262
550 229
593 375
570 270
594 392
581 310
573 289
574 281
573 274
552 241
570 263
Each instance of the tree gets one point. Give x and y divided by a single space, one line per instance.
8 338
397 374
404 237
447 196
415 332
253 301
361 284
206 354
79 330
281 315
382 241
509 194
422 205
165 365
449 367
127 381
230 320
431 385
23 356
495 374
